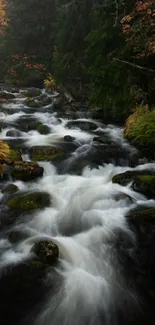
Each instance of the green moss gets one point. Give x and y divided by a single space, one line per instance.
46 153
10 188
142 131
15 155
29 201
147 179
43 129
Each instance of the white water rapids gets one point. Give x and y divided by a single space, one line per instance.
85 220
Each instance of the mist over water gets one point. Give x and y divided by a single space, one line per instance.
86 220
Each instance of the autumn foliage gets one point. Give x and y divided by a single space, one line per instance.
139 29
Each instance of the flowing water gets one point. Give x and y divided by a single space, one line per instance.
86 220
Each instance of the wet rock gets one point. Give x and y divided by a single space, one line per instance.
59 102
32 92
43 129
129 176
26 171
13 133
142 215
30 102
16 235
46 250
83 125
10 188
145 184
45 153
26 201
28 123
6 95
44 100
69 138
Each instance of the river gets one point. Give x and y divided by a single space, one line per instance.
86 218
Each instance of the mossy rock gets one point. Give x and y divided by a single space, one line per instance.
32 92
10 188
30 102
46 250
5 95
25 201
129 176
43 129
15 155
26 171
145 184
45 153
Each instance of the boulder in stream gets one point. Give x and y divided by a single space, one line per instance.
27 123
26 171
45 153
83 125
28 201
143 181
46 250
32 92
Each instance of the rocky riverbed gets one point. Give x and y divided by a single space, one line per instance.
77 216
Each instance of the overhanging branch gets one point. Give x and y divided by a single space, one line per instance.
134 65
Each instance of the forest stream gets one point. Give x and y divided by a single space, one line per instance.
75 247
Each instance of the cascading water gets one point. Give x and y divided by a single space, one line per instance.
86 220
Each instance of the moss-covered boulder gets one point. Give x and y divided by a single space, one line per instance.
129 176
43 129
145 184
26 201
6 95
45 153
32 92
9 189
26 171
83 125
30 102
46 250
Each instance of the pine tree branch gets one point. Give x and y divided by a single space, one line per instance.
134 65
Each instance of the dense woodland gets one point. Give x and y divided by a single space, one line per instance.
103 50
